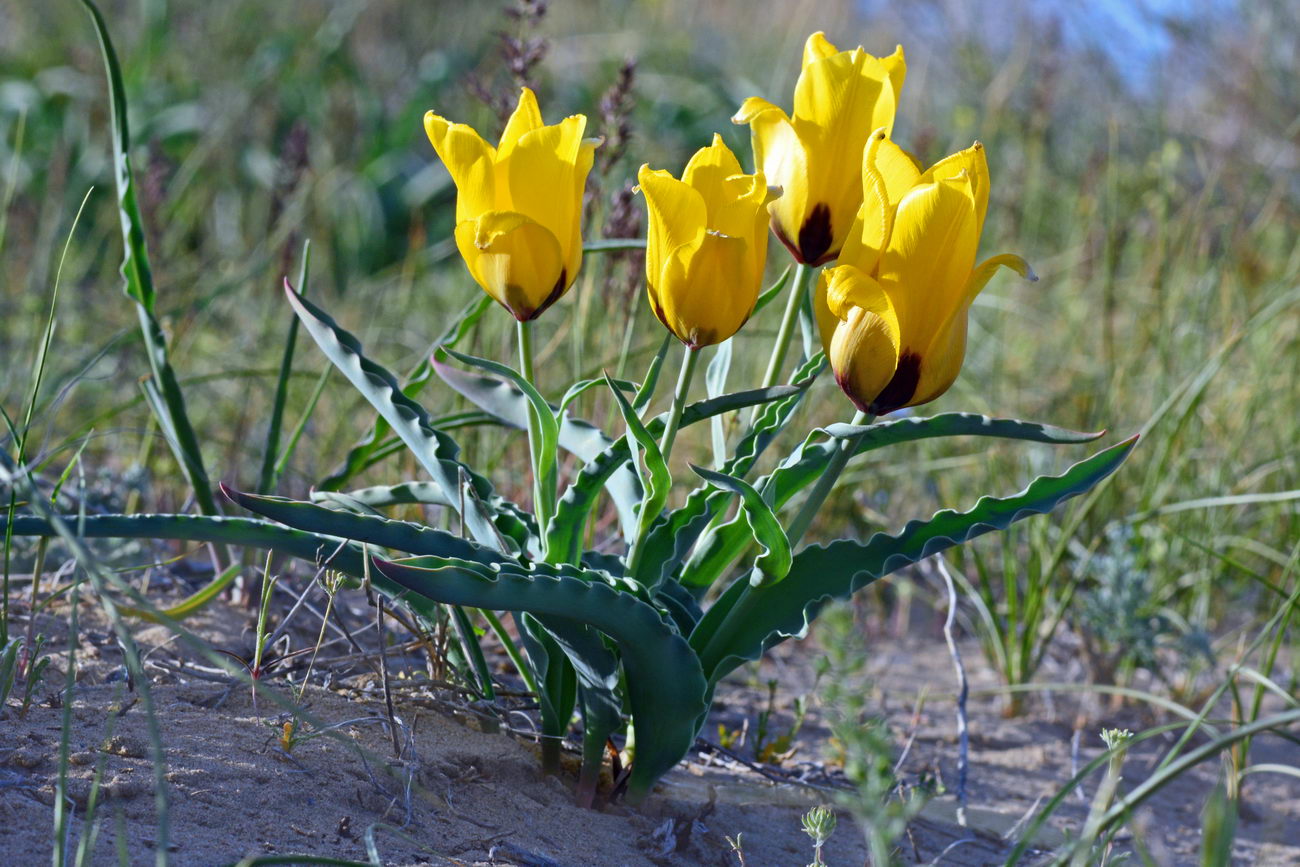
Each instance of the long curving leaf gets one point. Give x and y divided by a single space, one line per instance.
666 689
363 452
672 538
659 479
403 536
723 544
168 401
748 620
580 496
508 403
774 563
546 445
434 450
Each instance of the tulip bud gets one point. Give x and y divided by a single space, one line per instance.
707 245
893 312
816 156
518 205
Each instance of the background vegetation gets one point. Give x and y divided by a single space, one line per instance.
1147 162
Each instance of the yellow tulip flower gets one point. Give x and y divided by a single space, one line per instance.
816 156
518 205
706 245
893 311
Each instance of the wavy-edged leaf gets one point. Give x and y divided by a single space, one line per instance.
404 536
666 690
723 544
580 496
774 563
748 620
363 452
434 450
506 402
383 496
545 446
673 536
658 479
253 532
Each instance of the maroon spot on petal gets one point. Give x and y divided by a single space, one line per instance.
815 236
560 286
901 387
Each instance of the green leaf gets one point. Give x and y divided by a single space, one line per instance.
715 385
673 536
666 691
748 620
769 295
774 563
547 444
383 496
404 536
580 496
251 532
362 454
509 404
166 399
434 450
647 391
557 684
270 453
584 385
721 546
659 480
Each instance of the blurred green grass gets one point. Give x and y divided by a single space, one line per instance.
1160 208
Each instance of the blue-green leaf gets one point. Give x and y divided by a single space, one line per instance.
747 620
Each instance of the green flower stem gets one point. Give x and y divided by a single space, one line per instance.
826 481
541 503
512 650
690 358
798 288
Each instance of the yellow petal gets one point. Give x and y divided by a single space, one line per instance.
818 47
896 65
707 290
677 216
514 259
860 333
780 156
985 270
874 222
469 161
944 356
581 168
525 118
541 171
929 256
972 160
896 168
838 102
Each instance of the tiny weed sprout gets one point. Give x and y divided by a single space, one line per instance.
819 824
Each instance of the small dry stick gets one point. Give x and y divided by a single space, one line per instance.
383 676
963 691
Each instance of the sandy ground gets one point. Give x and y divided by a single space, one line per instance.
458 795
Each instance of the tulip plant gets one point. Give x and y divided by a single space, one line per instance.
636 635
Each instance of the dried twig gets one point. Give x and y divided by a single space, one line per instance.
963 691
